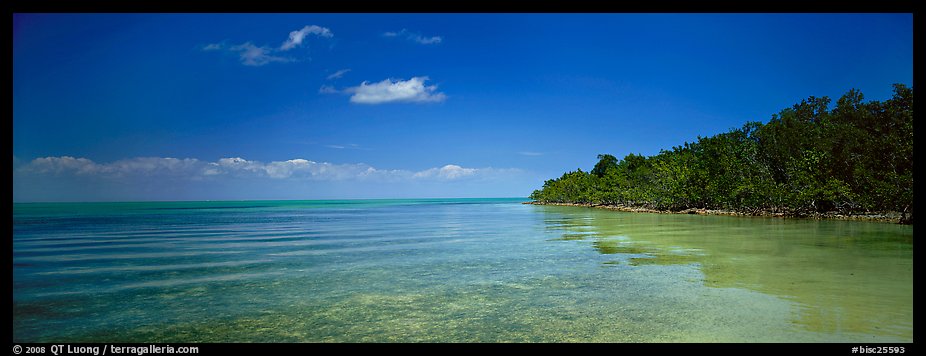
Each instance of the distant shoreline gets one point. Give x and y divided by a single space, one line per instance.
892 217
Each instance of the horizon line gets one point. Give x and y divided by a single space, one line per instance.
246 200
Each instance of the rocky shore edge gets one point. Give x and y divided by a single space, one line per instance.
891 216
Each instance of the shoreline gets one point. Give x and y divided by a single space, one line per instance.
887 217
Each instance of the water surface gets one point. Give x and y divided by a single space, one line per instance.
474 270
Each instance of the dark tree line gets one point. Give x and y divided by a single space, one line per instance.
854 158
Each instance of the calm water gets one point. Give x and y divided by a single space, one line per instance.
450 270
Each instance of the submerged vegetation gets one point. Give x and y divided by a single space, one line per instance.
807 160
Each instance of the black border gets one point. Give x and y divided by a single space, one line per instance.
460 6
631 348
457 6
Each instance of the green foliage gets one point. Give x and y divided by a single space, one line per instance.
854 158
605 162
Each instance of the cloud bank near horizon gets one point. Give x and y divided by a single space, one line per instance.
67 178
237 167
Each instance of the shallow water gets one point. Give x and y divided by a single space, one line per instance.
474 270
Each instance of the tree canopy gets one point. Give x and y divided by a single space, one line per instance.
856 157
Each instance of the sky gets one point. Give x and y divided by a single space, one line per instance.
123 107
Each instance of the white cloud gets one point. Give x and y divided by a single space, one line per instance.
296 37
286 169
212 47
152 165
63 164
352 146
387 91
450 171
236 164
327 89
252 55
121 168
337 74
428 40
194 169
414 37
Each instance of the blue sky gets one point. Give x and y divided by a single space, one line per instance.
316 106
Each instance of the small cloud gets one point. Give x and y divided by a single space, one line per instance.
327 89
256 56
350 146
414 37
296 37
212 47
237 163
450 171
63 164
428 40
529 153
337 74
252 55
388 91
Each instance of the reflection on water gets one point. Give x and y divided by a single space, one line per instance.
845 277
449 271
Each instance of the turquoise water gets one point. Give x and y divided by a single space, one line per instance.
471 270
